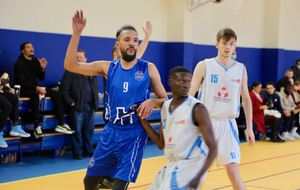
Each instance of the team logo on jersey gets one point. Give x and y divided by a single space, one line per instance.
139 75
222 95
92 162
236 80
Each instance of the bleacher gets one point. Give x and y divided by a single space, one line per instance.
54 141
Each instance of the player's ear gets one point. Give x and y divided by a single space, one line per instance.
217 45
117 43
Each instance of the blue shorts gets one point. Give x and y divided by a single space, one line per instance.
119 152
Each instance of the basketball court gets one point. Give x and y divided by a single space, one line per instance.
269 166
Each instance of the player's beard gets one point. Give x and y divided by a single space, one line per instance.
127 57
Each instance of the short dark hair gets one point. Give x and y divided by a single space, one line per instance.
82 51
178 69
125 27
271 83
226 33
22 46
255 84
298 60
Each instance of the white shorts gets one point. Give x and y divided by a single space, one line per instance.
178 174
228 142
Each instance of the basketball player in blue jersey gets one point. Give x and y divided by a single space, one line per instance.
186 134
120 149
220 81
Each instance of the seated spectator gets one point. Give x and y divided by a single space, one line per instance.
273 100
289 132
296 70
288 78
26 71
259 116
9 107
81 94
296 93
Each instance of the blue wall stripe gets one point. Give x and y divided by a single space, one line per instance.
262 64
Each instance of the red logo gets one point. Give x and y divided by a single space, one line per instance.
223 92
170 139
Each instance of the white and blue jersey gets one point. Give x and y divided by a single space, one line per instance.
221 89
184 147
125 88
119 152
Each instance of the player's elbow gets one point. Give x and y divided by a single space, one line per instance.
160 147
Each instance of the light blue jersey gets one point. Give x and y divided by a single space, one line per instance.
125 88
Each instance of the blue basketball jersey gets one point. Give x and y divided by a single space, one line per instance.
125 88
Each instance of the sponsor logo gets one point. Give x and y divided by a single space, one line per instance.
236 80
139 75
222 95
180 122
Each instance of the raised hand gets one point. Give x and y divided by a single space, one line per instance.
43 63
78 22
148 28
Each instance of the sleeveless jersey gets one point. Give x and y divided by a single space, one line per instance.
125 88
221 89
183 139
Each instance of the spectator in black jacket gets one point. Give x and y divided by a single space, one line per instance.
272 100
26 71
288 78
296 70
81 94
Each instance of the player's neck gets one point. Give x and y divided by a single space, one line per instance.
225 61
176 101
128 65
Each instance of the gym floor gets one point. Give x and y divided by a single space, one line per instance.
266 166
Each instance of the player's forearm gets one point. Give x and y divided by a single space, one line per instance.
247 105
159 101
142 47
152 133
70 59
210 158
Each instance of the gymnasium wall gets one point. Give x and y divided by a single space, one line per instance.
267 32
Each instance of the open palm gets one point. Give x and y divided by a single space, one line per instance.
78 22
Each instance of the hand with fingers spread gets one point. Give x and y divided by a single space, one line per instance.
78 22
146 108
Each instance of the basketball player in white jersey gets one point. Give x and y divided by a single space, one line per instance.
186 135
220 81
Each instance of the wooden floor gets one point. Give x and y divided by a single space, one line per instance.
266 166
